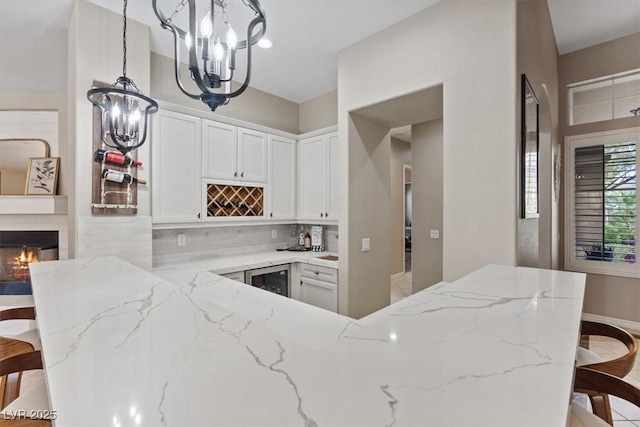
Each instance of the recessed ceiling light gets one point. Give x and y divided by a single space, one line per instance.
265 43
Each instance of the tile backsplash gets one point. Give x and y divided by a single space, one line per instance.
217 242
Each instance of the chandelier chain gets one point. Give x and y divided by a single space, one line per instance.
179 8
124 40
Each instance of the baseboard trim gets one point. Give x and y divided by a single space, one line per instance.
633 327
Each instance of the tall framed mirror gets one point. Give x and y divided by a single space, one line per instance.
14 162
530 159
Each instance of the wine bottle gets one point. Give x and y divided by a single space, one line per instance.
116 158
121 177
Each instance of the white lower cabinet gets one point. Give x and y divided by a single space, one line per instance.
238 276
317 286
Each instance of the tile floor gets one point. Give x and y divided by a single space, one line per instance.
400 286
624 413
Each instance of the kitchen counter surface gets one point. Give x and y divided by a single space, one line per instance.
122 346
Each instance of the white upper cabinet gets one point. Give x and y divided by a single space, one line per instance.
333 204
252 155
175 184
318 187
233 153
282 175
219 150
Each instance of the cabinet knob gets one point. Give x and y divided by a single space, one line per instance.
321 215
271 214
198 215
326 215
317 272
235 174
242 175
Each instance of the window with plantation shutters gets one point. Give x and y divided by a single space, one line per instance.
602 203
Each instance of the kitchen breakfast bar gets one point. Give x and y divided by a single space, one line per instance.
186 347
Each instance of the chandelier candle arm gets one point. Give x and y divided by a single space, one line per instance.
212 45
121 116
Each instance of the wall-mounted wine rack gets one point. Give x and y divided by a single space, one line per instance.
234 200
110 198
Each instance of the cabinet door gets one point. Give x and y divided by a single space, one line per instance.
333 198
312 178
238 276
318 293
282 175
219 150
252 155
175 187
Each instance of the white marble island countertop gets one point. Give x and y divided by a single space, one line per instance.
122 346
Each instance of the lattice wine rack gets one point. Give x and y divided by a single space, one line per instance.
234 200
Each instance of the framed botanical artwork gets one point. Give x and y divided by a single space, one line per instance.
42 176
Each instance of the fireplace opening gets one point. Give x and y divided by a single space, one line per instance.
17 250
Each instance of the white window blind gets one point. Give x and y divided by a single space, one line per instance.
608 98
603 226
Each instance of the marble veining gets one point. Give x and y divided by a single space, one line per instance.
185 346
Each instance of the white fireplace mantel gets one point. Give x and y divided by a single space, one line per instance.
33 205
36 213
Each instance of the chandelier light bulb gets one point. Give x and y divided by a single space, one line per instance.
265 43
232 38
206 28
209 33
136 115
218 50
115 111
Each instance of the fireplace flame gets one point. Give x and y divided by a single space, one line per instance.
21 264
26 257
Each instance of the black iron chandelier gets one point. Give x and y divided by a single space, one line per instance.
212 45
125 109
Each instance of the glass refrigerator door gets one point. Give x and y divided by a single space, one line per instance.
276 282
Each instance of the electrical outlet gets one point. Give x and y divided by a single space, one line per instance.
182 239
274 233
435 234
366 245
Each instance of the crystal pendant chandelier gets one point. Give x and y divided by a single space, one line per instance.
124 108
212 45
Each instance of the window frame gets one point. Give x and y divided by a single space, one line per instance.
594 266
604 81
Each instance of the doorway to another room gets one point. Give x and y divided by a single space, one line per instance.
407 218
401 282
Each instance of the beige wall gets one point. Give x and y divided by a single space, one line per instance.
427 187
254 106
609 296
369 152
400 156
477 66
537 57
320 112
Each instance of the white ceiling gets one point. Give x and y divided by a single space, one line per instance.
582 23
307 36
